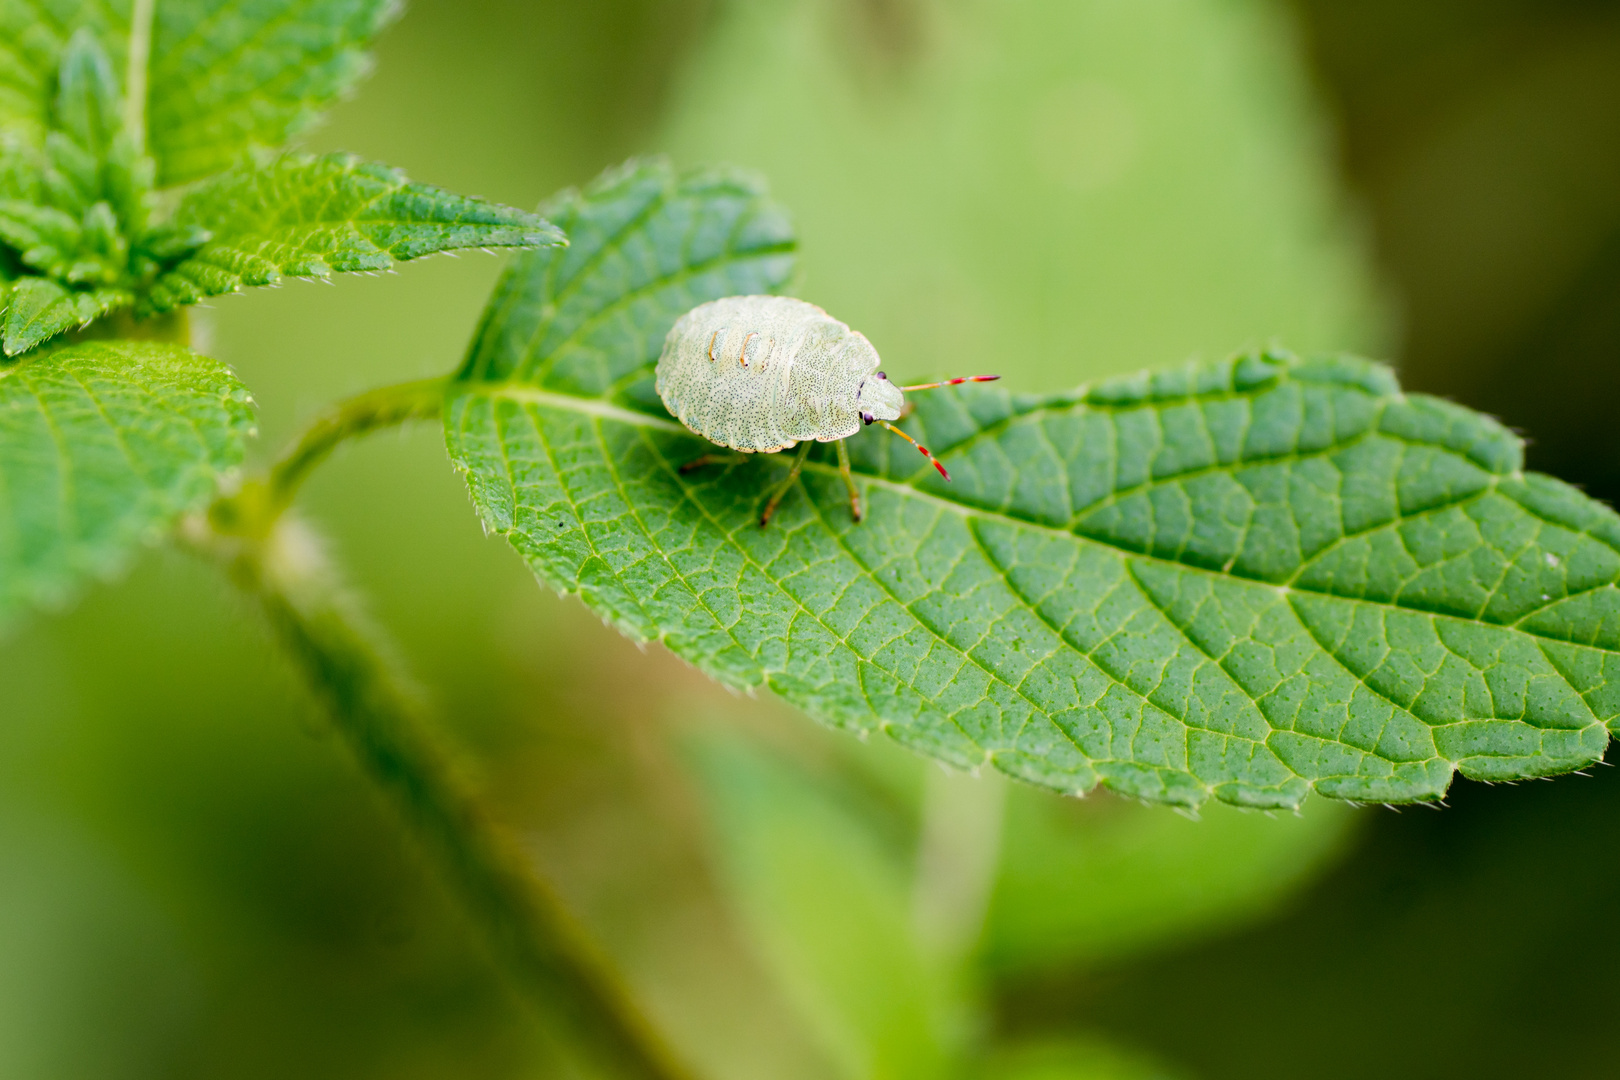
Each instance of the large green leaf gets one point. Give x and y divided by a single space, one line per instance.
304 216
1245 580
103 445
642 243
226 78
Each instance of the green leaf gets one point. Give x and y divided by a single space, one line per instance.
45 238
225 80
303 216
221 80
1083 882
1244 580
87 94
21 171
37 309
643 244
103 445
33 37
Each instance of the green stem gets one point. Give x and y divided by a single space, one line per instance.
139 57
276 560
368 411
527 927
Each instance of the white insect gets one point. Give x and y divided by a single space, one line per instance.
761 373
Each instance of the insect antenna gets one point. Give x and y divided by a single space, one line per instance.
919 446
951 382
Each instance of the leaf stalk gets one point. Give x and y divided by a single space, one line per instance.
139 58
372 410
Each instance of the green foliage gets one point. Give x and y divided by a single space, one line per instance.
33 37
828 907
74 210
832 890
1245 580
643 243
37 309
221 86
79 214
219 83
1095 881
308 216
103 445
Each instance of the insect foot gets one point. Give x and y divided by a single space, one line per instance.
821 384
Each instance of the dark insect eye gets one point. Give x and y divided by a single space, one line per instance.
881 375
867 417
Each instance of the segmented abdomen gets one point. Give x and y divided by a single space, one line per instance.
749 372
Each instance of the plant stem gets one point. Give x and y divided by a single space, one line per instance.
276 559
139 57
527 928
382 407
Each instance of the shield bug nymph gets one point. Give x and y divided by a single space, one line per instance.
761 373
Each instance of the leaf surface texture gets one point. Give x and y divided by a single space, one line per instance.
222 79
1244 580
103 445
33 35
305 216
230 77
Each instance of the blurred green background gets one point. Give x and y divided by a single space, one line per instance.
195 882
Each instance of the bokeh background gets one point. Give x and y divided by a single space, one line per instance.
196 882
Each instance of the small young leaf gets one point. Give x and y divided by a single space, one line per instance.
220 86
87 94
103 445
37 309
34 34
221 80
1245 580
72 180
303 216
21 171
44 237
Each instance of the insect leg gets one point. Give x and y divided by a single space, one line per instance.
709 459
782 488
849 482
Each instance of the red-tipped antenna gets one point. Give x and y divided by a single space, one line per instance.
951 382
919 446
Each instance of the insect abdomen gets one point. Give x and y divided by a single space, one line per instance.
749 372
